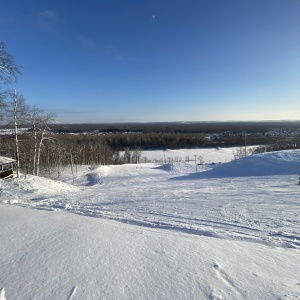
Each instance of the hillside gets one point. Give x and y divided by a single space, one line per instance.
137 232
265 164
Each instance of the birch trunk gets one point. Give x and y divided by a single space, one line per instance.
39 153
16 131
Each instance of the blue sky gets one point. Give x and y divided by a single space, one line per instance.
157 60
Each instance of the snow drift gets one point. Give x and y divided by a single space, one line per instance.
266 164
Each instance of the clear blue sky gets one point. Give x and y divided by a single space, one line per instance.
157 60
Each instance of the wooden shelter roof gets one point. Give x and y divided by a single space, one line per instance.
6 160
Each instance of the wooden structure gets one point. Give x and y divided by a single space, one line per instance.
7 166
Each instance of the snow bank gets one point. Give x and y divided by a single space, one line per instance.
178 168
266 164
31 190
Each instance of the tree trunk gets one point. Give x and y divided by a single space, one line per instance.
16 132
34 171
39 153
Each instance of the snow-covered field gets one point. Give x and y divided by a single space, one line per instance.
149 231
208 155
11 132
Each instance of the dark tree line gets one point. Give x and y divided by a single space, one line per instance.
235 128
153 140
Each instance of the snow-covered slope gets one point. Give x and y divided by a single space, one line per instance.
224 237
49 255
265 164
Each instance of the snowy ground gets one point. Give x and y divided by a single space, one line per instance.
226 233
209 155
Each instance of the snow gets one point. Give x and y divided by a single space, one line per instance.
11 132
6 160
275 163
141 232
2 294
209 155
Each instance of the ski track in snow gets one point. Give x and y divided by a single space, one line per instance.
257 209
253 213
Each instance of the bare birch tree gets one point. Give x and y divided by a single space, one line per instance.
136 155
2 104
8 74
17 114
127 155
40 130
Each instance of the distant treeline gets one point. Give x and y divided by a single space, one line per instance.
178 127
61 150
119 141
176 135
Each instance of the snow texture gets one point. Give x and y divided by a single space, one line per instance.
266 164
142 232
2 294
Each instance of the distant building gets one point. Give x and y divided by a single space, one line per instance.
7 166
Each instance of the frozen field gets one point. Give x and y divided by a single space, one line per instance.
208 155
225 232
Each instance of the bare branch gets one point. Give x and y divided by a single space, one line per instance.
22 112
8 69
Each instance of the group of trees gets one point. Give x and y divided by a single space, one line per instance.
15 112
57 152
286 144
153 140
38 149
166 140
